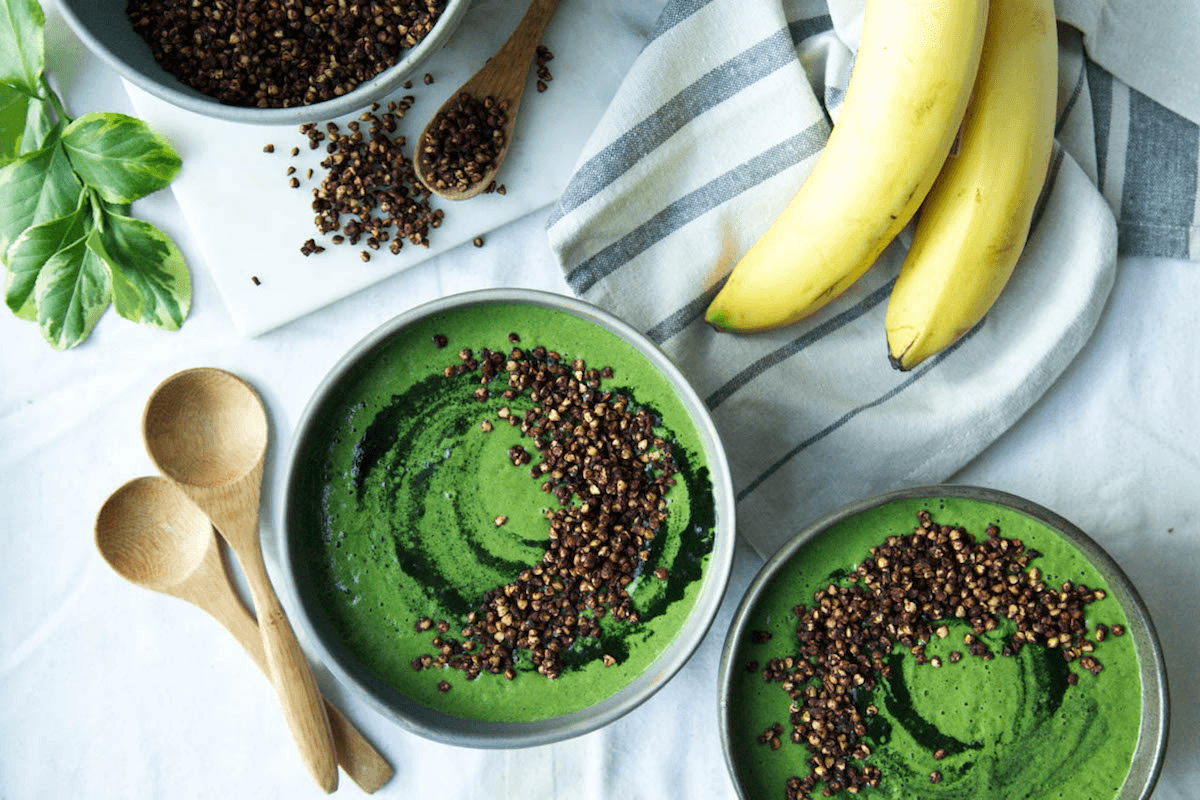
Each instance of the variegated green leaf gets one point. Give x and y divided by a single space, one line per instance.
68 246
150 280
39 122
14 110
119 156
73 290
36 187
31 252
22 44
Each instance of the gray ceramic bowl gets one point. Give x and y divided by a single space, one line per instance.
105 29
745 705
334 408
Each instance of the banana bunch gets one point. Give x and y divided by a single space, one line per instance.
927 72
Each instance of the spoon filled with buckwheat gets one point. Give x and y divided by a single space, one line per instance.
461 149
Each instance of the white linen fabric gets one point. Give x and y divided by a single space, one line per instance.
111 691
718 122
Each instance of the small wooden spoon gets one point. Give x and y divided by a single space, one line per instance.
503 78
154 536
206 430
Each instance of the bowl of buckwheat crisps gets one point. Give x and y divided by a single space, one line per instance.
265 61
946 641
507 519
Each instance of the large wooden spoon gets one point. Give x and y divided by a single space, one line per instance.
502 79
206 430
154 536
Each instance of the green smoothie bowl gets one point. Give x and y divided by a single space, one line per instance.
943 642
507 519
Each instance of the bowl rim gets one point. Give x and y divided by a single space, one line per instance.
197 102
1150 750
448 729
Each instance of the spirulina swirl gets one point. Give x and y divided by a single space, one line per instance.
421 512
1011 727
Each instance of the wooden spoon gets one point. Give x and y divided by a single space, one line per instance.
154 536
206 430
502 78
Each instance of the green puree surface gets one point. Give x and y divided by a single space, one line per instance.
1011 727
403 491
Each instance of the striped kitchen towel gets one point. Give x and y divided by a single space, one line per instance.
719 120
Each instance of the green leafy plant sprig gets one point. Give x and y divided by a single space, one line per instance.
67 241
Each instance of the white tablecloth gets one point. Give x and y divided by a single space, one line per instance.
107 690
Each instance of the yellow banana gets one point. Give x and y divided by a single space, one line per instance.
974 223
908 91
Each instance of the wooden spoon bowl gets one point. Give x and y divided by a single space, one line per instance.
145 531
205 427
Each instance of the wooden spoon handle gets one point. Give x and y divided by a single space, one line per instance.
357 756
303 706
505 76
233 509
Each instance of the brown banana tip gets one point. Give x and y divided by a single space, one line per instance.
898 362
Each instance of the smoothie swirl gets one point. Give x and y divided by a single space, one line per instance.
935 665
424 508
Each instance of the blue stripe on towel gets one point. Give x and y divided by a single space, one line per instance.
1100 86
767 164
1158 198
802 29
854 412
1076 90
714 88
681 318
674 13
793 347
